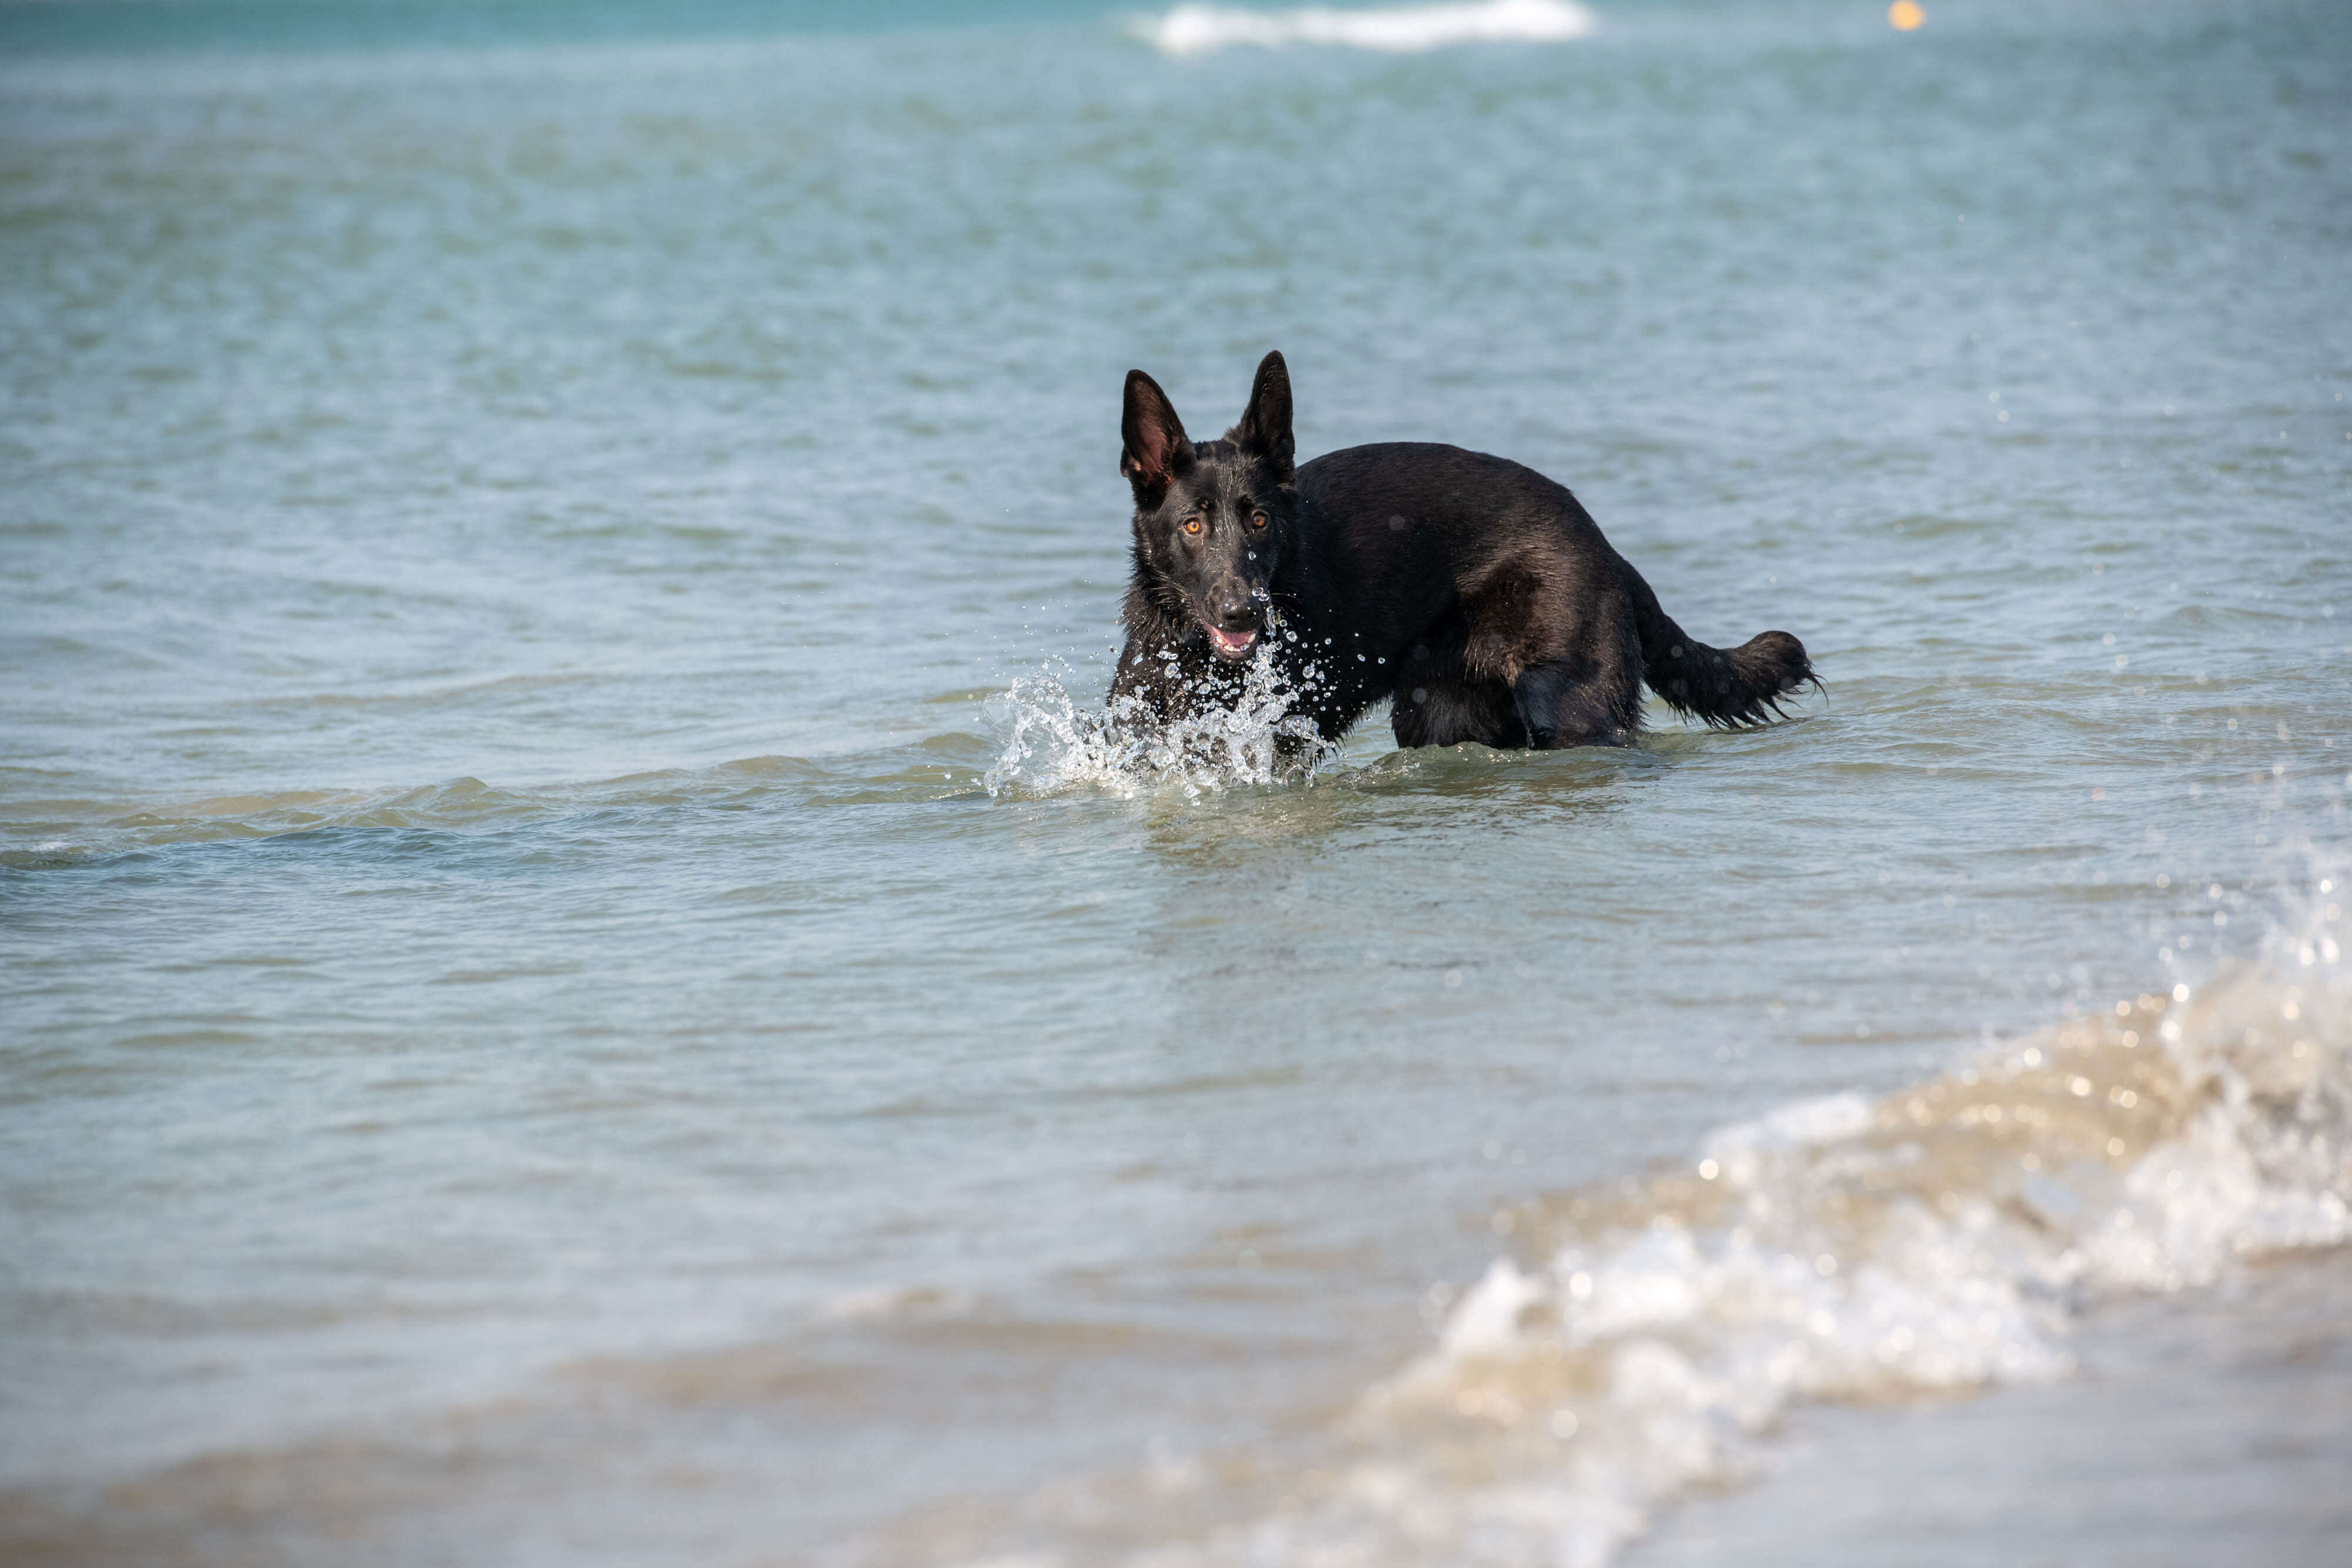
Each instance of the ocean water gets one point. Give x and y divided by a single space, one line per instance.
580 985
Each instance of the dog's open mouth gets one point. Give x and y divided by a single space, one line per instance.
1232 644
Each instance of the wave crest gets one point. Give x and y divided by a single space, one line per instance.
1940 1239
1403 29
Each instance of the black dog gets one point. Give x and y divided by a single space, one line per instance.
1475 593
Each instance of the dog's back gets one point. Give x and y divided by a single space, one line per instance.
1507 615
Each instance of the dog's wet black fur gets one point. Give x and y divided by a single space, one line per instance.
1475 593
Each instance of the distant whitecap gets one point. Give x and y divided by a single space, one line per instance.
1400 30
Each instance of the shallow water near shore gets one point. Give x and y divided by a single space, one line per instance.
576 985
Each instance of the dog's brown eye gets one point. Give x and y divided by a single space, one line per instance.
1191 525
1257 519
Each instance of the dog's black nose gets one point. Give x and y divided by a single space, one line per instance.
1233 606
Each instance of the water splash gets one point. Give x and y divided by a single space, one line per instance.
1048 741
1400 30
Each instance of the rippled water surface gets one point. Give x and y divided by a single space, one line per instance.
572 992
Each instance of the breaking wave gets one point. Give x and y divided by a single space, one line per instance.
1400 30
1940 1241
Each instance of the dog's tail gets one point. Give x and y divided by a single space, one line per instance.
1728 687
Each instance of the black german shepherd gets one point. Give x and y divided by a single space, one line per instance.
1475 593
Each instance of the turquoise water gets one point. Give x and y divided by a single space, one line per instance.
568 1000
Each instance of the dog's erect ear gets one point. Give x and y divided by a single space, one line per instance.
1264 428
1155 447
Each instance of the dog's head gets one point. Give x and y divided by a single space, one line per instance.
1212 518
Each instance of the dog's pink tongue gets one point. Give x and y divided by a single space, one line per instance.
1232 641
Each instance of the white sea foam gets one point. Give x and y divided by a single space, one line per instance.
1399 29
891 1303
1940 1241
